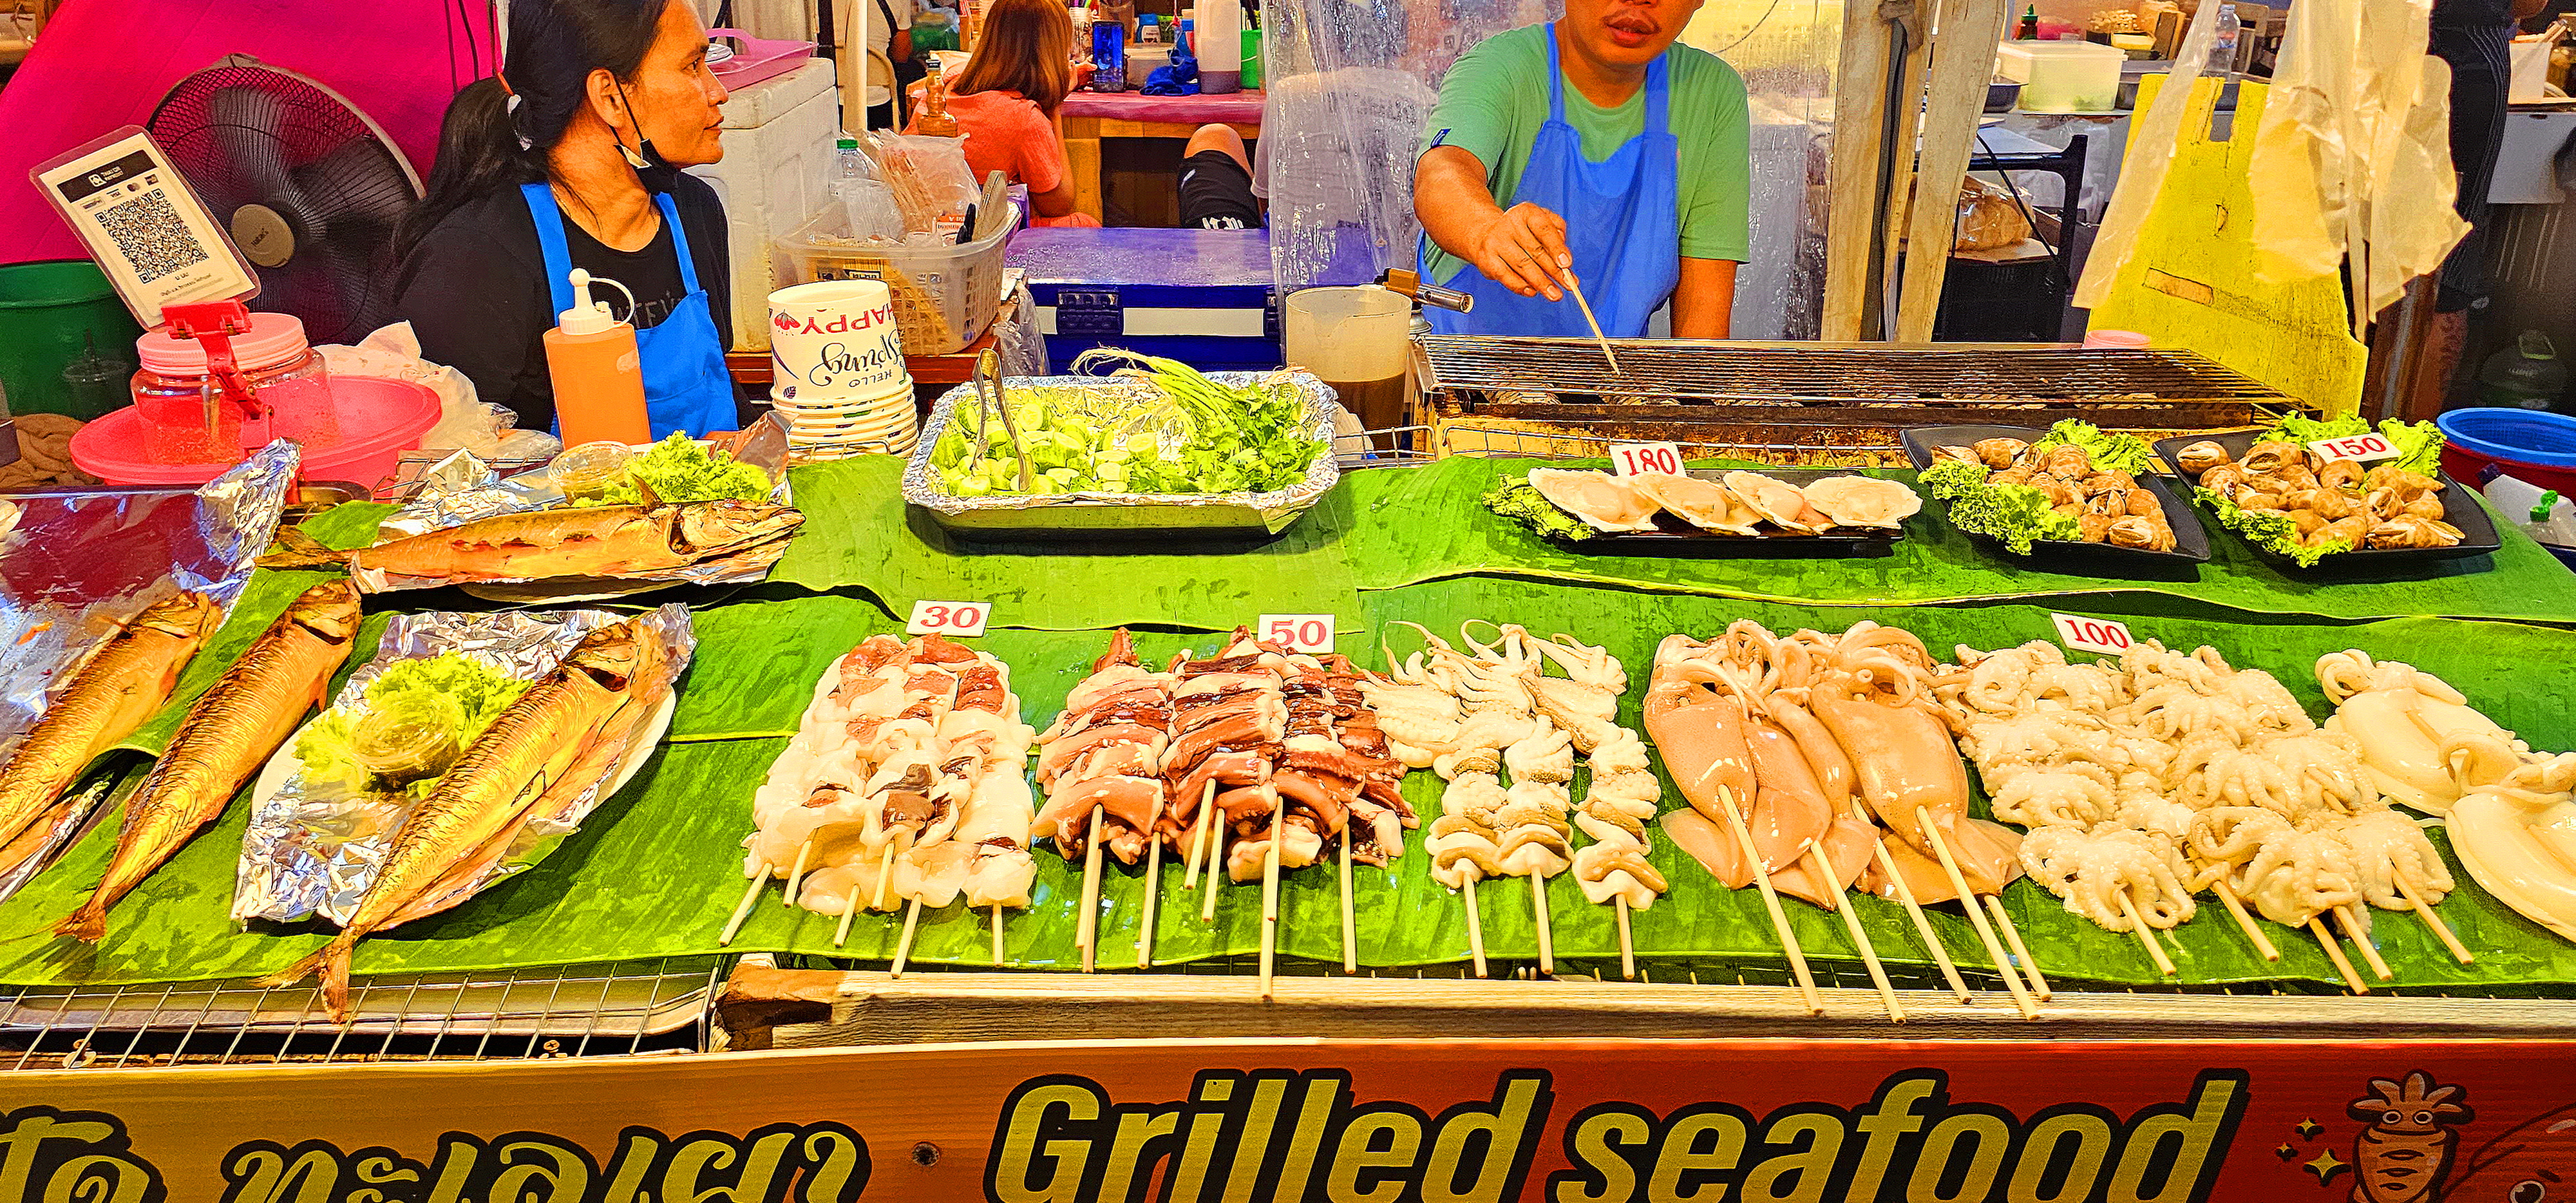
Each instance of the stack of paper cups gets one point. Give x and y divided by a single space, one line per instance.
838 376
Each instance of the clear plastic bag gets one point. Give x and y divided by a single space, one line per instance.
870 209
931 183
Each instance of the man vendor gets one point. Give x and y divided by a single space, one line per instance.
1625 174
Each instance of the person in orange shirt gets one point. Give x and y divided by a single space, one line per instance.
1005 104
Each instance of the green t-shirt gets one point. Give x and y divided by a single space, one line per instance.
1494 100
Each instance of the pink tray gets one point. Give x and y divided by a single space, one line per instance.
756 59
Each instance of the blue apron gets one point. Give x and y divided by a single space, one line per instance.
686 386
1622 224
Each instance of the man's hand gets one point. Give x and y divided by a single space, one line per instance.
1523 249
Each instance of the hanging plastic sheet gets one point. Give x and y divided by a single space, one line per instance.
1786 51
2143 170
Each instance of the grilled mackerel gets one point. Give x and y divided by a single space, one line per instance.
225 738
590 541
121 684
549 746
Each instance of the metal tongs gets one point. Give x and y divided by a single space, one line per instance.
988 375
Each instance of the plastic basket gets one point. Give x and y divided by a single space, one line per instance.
944 296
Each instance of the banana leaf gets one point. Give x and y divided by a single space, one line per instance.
1420 524
859 533
657 869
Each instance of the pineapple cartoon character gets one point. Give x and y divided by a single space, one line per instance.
2400 1157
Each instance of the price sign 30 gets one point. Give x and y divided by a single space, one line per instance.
2092 634
1629 459
960 620
1298 632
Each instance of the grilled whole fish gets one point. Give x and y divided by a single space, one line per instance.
119 686
225 738
550 745
608 540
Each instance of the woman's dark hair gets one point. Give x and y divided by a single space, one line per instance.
554 46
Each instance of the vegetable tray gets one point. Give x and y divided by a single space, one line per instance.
2191 542
1093 516
2460 508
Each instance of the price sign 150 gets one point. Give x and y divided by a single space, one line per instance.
2353 447
963 620
1298 632
2092 634
1629 459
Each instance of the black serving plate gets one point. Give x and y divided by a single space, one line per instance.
2459 508
1675 537
2191 543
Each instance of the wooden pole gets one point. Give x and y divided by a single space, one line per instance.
1855 186
1961 67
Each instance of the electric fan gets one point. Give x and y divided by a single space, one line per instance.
309 187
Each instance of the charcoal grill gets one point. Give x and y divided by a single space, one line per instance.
1807 403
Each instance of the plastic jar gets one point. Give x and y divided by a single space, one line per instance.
174 394
409 740
585 472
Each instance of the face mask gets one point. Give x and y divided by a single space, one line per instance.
657 174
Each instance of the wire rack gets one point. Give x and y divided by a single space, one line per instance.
627 1007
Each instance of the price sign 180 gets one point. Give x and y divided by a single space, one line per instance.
2092 634
1629 459
963 620
2353 447
1298 632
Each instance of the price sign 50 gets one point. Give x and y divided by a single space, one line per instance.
1629 459
2092 634
2353 447
962 620
1298 632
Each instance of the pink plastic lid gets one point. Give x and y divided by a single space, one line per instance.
273 340
388 417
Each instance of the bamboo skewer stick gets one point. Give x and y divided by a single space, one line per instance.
742 910
1860 939
1153 891
1199 836
903 946
2441 930
1270 894
1914 910
1627 944
1215 858
1475 926
2012 936
1771 903
2146 936
1350 922
2236 908
2360 939
796 873
885 873
849 909
1976 916
1576 291
997 935
1538 912
1087 926
2334 952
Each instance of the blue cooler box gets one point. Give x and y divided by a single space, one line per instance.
1203 297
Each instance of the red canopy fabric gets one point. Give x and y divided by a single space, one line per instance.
101 64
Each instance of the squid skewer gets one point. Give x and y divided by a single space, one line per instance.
1627 943
903 946
1771 903
1913 909
997 935
1860 939
1538 911
2021 996
1475 926
1350 922
849 910
1270 892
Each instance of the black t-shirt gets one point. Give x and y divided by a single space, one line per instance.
475 290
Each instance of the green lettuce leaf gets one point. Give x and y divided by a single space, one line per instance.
1520 501
2018 515
469 693
680 470
2125 452
2271 529
2418 444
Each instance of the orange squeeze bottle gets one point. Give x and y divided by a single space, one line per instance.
597 372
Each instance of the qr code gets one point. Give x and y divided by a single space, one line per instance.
148 232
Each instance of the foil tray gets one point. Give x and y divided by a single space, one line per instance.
1128 515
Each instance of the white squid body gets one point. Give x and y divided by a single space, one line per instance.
2518 838
2402 722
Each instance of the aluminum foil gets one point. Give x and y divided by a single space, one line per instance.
464 488
1097 514
83 561
307 852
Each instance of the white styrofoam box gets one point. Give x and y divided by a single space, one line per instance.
2526 171
780 156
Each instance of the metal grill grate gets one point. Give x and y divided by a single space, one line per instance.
598 1009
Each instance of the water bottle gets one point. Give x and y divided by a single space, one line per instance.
853 162
2541 513
2526 375
2222 52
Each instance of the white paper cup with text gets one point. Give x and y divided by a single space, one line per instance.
836 338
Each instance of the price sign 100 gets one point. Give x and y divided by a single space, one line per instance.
2092 634
1629 459
964 620
1298 632
2354 447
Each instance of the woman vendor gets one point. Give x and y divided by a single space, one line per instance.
1005 104
1625 174
571 159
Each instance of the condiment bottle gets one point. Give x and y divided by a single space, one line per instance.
933 119
598 375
